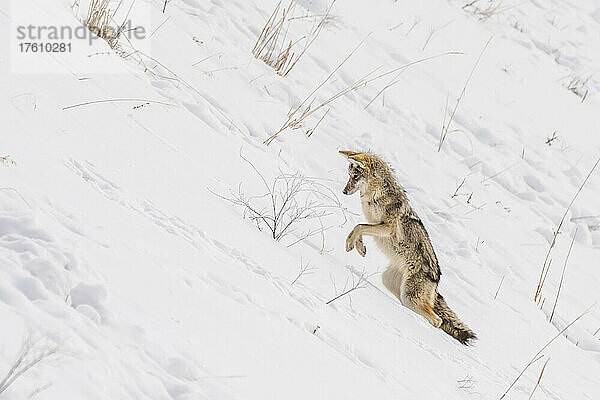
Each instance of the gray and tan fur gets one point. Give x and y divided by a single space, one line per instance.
413 274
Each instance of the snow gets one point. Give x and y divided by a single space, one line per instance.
116 247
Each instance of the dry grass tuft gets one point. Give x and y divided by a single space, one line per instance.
579 86
485 9
99 18
7 160
275 48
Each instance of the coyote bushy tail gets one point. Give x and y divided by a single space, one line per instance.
450 322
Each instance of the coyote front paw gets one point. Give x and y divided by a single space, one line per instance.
360 247
350 241
354 239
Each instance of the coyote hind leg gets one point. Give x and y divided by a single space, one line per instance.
419 295
426 310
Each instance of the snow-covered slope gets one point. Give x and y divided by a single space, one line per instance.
116 247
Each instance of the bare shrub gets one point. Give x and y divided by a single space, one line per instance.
291 206
33 352
275 48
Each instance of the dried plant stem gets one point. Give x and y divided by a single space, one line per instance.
458 188
546 265
116 101
562 276
499 172
446 127
18 194
539 379
499 286
537 355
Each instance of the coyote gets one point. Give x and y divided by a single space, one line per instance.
413 273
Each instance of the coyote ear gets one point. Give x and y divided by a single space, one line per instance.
348 154
354 157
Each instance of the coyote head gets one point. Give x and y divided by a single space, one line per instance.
360 166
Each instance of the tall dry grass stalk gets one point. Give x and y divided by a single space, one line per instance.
446 126
537 356
547 261
579 86
539 379
562 276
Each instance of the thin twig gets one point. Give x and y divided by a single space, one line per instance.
500 172
358 284
500 285
458 188
206 58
